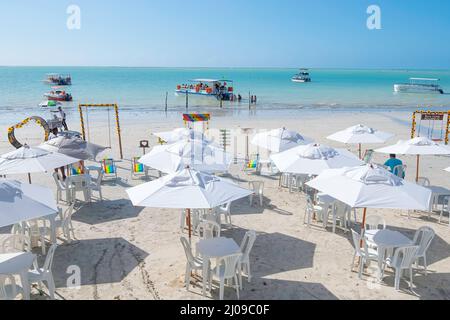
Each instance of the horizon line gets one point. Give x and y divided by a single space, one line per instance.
224 67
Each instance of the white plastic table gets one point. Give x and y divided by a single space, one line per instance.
437 192
18 264
386 240
214 249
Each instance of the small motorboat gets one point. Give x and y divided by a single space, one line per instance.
419 85
302 77
219 89
58 95
59 79
50 104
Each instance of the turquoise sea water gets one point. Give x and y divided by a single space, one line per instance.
144 89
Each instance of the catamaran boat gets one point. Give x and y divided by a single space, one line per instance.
302 77
59 79
58 95
219 89
420 85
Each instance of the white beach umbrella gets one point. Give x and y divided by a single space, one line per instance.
279 140
196 154
418 147
313 159
22 202
371 186
179 134
74 147
32 160
360 134
186 189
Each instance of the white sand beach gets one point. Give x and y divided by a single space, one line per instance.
128 253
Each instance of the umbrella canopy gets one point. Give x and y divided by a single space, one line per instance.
313 159
371 186
22 202
186 189
418 147
360 134
179 134
279 140
73 147
196 154
32 160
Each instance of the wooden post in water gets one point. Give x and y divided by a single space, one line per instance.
187 100
249 101
167 95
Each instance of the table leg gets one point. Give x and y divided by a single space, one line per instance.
205 274
381 254
25 284
53 229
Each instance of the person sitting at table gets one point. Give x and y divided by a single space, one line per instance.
392 163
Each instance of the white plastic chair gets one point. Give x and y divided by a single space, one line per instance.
341 212
64 223
423 239
312 210
258 190
16 243
37 233
44 274
227 269
192 264
246 248
225 210
366 254
208 230
80 183
445 207
61 188
374 222
424 182
399 171
96 184
9 291
403 259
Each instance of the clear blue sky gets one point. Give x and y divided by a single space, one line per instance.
233 33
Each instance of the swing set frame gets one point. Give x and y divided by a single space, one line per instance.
422 115
116 111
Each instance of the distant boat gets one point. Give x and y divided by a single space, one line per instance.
419 85
302 77
58 95
50 104
219 89
58 79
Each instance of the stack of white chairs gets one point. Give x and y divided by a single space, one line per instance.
227 269
246 248
192 263
423 239
403 259
366 254
44 274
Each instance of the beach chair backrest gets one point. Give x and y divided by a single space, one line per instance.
137 166
109 167
399 171
423 238
374 222
76 170
405 257
187 250
3 293
230 264
16 243
49 259
247 243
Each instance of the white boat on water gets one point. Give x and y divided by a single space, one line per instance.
219 89
302 77
419 85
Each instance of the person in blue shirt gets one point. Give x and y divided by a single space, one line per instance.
392 163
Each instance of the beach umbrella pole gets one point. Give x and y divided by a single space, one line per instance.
360 151
417 169
363 227
29 178
189 224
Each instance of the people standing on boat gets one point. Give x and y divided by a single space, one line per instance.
62 115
